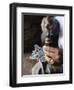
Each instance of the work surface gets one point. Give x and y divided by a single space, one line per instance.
27 64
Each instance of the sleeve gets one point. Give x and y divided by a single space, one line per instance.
61 37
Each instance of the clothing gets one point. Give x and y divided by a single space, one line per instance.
44 67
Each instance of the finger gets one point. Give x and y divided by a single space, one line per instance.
53 56
56 58
51 49
49 60
50 54
46 48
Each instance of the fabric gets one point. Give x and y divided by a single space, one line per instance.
44 67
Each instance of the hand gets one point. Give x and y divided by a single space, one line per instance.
53 55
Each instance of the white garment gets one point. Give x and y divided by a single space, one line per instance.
61 34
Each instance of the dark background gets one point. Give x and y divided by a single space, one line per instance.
31 25
32 31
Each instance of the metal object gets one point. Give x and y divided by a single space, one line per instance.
38 53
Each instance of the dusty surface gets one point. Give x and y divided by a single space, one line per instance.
27 64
